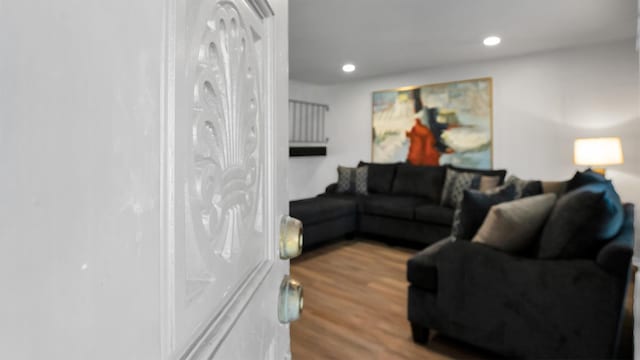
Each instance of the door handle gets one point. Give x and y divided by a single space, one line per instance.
290 300
290 237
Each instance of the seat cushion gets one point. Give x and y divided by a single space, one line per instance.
421 268
426 181
357 199
397 206
380 177
435 214
319 209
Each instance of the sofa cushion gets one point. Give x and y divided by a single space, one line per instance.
512 226
355 198
525 188
421 268
397 206
319 209
557 187
352 180
473 209
609 217
435 214
582 221
380 177
424 181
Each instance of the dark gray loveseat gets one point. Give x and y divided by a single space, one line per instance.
522 307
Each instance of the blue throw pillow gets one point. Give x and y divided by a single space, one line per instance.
609 214
475 206
585 178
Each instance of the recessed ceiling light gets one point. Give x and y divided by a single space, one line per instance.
492 41
348 68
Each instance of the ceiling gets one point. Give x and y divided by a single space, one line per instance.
392 36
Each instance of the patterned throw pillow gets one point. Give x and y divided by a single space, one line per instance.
455 184
352 180
525 188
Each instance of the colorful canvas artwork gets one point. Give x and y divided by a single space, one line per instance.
449 123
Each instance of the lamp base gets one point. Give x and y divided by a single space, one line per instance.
600 171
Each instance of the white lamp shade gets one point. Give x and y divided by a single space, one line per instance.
598 151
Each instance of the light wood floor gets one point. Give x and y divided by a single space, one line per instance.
355 307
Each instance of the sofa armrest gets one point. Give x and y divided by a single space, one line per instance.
421 267
466 261
551 300
331 188
615 257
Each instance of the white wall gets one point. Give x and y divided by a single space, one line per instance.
542 102
308 176
81 104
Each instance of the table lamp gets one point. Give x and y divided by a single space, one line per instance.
598 152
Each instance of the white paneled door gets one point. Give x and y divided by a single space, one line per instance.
143 154
228 182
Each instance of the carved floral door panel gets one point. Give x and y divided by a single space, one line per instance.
227 202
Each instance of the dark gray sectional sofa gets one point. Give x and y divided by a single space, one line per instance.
403 203
525 305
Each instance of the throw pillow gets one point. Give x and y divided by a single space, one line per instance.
426 181
352 180
609 215
585 178
380 177
454 185
488 182
474 207
512 226
572 212
525 188
557 187
499 173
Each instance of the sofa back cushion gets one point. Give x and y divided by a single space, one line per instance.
556 187
380 177
425 181
582 221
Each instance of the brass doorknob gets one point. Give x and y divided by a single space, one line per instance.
290 301
290 237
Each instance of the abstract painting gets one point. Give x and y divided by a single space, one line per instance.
448 123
